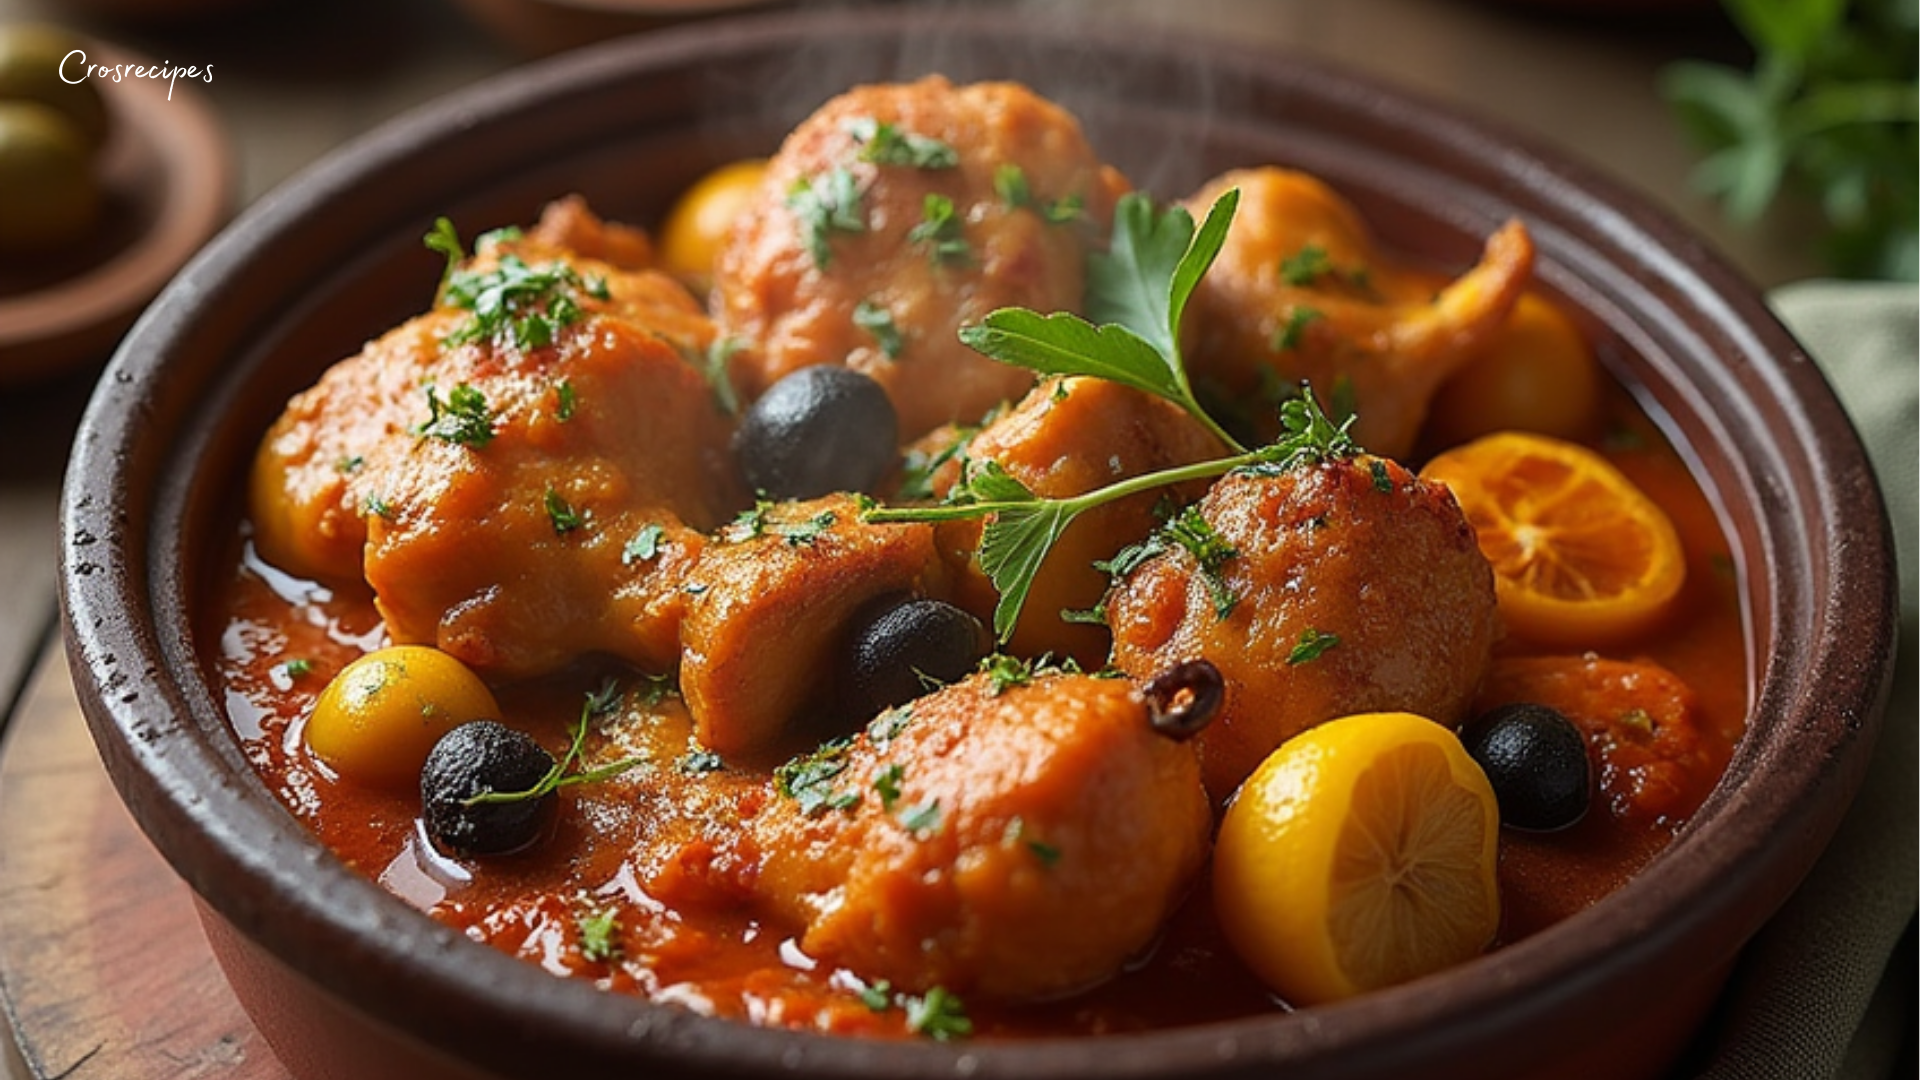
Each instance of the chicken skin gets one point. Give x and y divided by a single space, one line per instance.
898 213
792 574
1011 842
517 504
1300 293
1347 586
1065 438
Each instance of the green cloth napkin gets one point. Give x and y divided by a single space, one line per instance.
1826 989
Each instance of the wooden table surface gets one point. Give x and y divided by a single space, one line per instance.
82 895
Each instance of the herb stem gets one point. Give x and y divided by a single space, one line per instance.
1075 504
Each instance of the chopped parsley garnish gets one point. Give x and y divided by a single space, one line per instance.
599 703
887 784
878 997
515 303
1010 184
1311 646
349 465
1194 532
564 401
1005 672
918 466
921 817
1306 266
600 935
888 725
878 321
883 143
940 231
1016 832
297 667
1382 482
939 1015
809 780
758 521
644 545
463 418
378 506
698 761
826 205
1288 337
561 512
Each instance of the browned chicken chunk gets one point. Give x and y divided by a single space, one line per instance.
1014 843
518 504
768 611
1352 586
1300 293
1068 437
894 215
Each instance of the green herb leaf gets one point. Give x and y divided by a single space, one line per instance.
600 935
826 205
564 400
877 996
714 367
940 230
887 784
445 239
1311 646
878 321
698 761
809 780
298 667
921 817
601 702
883 143
516 303
561 513
463 418
644 545
888 725
939 1015
1288 337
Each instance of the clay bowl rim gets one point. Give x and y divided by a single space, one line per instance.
1823 597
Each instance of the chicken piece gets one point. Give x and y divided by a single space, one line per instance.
768 619
1655 763
1010 842
314 473
1300 293
1068 437
1355 587
864 249
558 537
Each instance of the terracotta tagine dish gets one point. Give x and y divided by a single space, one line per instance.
922 544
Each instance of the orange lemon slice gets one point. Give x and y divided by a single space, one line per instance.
1580 556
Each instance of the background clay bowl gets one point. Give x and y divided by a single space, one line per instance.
346 980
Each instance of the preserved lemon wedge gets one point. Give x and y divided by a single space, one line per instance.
1359 855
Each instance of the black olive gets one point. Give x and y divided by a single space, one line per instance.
1537 761
476 757
819 430
898 644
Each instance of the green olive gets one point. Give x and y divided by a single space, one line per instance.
380 716
30 70
52 195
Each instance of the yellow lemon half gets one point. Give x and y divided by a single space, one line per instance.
1359 855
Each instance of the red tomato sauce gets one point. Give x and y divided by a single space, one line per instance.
701 946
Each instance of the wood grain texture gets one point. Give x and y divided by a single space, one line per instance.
104 972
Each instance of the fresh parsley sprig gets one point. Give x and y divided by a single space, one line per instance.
1138 292
512 302
601 702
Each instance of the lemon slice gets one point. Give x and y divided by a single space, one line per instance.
1359 855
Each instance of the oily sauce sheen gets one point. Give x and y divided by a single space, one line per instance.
710 955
